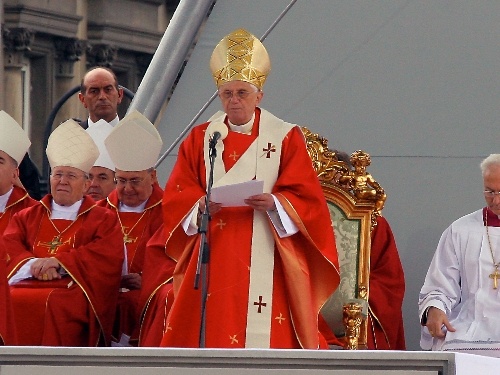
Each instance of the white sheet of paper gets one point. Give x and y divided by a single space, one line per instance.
234 195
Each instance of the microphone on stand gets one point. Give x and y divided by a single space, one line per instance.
218 131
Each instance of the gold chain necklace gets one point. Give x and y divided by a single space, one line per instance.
126 238
54 244
495 275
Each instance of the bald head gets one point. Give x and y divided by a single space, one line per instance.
100 94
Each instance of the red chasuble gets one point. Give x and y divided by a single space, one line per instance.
18 200
137 229
78 310
305 270
156 292
7 325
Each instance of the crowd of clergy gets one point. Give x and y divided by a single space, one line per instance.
109 258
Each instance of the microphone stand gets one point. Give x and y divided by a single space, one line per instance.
204 250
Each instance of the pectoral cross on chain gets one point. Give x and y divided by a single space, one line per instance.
495 276
52 245
127 239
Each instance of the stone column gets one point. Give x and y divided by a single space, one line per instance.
16 41
101 55
68 52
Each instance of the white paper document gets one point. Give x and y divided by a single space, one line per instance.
234 195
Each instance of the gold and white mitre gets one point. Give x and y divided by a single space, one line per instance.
13 139
240 56
71 146
134 144
99 131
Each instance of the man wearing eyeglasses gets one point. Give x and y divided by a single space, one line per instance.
459 301
273 260
65 253
134 146
13 146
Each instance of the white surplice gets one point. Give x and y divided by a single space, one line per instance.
458 282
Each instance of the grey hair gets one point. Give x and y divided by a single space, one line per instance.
493 159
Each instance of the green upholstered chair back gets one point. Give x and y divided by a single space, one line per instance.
354 199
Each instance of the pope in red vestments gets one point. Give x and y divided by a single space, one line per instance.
305 268
272 261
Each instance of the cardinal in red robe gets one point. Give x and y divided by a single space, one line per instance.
137 228
156 293
136 202
13 198
18 200
65 254
79 311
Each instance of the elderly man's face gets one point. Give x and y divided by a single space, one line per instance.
134 187
68 185
239 100
102 182
8 172
491 181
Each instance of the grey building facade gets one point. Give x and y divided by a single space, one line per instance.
48 45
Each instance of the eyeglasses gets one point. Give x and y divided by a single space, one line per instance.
240 94
491 193
133 181
70 176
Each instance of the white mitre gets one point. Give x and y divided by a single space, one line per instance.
71 146
134 144
99 131
13 139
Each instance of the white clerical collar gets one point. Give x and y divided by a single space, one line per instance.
245 128
65 212
124 208
4 199
113 122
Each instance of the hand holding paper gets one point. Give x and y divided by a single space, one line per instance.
235 195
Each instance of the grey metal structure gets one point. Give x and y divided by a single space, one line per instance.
415 84
156 361
170 56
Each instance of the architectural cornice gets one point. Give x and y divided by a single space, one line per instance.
49 21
